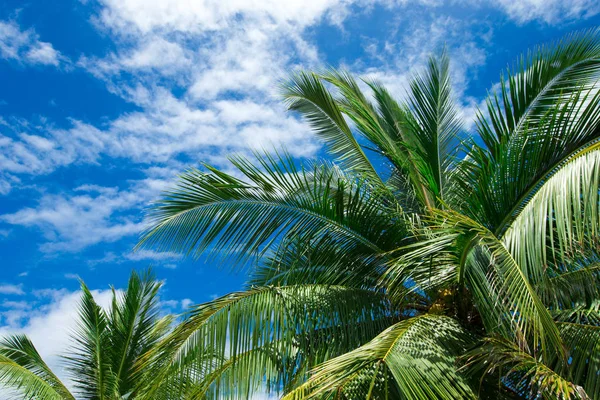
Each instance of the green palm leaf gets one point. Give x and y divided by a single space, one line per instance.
583 346
320 320
23 370
521 373
306 94
446 257
217 212
540 80
88 361
418 353
561 219
133 327
433 120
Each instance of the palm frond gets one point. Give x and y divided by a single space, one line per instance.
88 361
225 381
578 287
562 219
397 143
21 382
520 372
133 327
23 370
435 125
300 260
306 94
582 315
446 256
418 353
583 346
539 81
216 212
314 320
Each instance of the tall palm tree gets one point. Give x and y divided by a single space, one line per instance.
420 261
107 345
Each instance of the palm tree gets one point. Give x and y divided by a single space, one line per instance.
107 344
420 261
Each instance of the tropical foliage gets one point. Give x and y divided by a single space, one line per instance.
420 261
106 348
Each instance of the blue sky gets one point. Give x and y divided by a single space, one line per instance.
103 102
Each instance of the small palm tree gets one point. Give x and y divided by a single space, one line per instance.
423 262
107 345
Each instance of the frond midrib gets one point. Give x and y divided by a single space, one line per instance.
538 184
348 231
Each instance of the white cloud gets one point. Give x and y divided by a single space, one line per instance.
549 11
141 255
86 217
128 16
43 53
185 303
44 148
150 54
11 289
24 46
90 214
156 53
167 128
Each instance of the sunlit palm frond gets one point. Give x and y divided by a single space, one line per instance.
496 190
309 318
215 211
418 353
562 219
135 327
435 125
306 94
23 371
539 81
446 256
88 361
24 384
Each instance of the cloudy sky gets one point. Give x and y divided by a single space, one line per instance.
103 102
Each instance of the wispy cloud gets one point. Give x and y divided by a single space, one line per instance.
549 11
9 289
25 46
203 77
74 221
141 255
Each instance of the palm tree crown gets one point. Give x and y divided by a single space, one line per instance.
106 348
421 262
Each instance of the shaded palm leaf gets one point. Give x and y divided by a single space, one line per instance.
418 353
520 372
